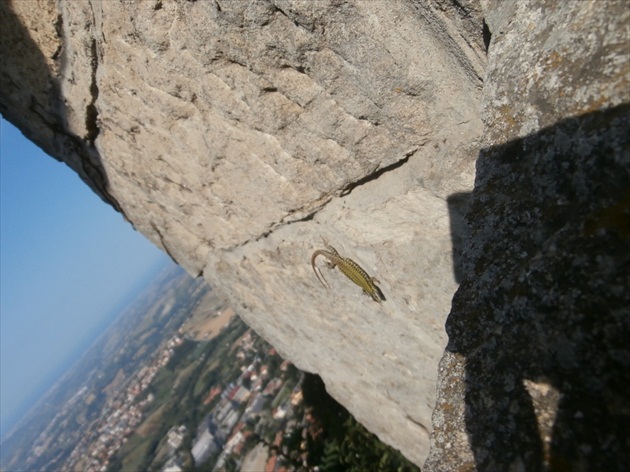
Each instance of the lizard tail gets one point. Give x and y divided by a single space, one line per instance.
318 273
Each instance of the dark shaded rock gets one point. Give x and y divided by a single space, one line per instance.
549 300
536 375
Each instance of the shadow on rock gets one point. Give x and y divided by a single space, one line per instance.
458 204
32 99
543 311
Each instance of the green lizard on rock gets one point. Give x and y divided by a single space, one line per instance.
350 269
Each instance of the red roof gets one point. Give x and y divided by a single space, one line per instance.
271 464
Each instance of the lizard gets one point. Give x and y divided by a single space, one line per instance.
350 269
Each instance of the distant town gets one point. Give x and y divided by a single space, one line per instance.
256 400
182 384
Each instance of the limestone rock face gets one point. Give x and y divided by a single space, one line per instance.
235 135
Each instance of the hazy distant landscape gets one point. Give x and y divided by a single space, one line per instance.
180 383
130 341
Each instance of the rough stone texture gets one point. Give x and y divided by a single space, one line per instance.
536 375
234 134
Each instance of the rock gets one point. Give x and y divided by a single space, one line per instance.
536 374
235 135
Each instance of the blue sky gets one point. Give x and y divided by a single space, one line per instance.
67 262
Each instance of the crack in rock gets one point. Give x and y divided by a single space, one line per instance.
377 173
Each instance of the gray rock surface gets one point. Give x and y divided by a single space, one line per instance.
536 374
235 135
